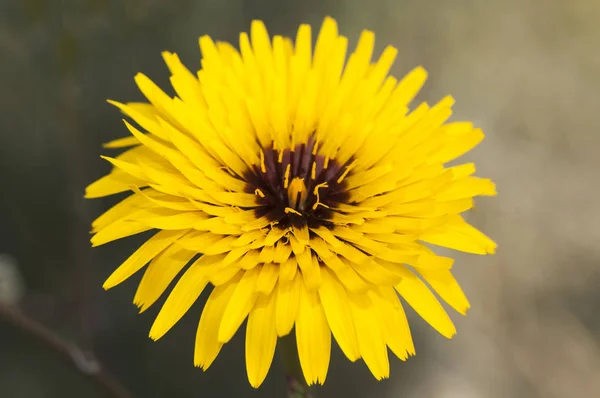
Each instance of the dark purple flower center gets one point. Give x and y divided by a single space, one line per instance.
297 186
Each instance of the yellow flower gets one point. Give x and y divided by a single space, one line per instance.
302 189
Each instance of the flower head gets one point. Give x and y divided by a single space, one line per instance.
301 188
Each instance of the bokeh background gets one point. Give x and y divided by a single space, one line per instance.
526 71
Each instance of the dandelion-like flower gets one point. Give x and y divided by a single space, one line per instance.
301 188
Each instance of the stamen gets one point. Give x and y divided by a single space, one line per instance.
286 178
316 192
316 145
301 179
348 168
289 210
297 193
263 167
343 175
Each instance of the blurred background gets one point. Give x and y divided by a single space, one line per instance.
526 71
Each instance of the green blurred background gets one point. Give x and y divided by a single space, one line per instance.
526 71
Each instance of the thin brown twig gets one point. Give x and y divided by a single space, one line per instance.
83 362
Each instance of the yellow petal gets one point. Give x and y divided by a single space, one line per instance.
325 40
346 274
447 288
288 299
207 344
394 325
157 97
462 170
223 245
250 260
122 142
132 169
321 247
178 162
143 114
150 249
260 339
371 343
267 278
288 269
419 297
282 252
218 226
468 187
159 275
460 140
261 44
339 317
453 240
352 254
196 240
327 236
164 200
274 235
118 230
202 159
162 218
459 235
184 294
311 270
301 233
432 261
382 67
116 182
247 238
241 302
127 206
409 86
267 254
234 255
313 337
224 275
375 273
183 81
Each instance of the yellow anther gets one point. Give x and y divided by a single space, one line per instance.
259 193
316 145
348 168
286 177
313 172
297 193
316 192
290 210
263 168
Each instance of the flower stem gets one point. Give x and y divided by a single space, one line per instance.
83 362
296 385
